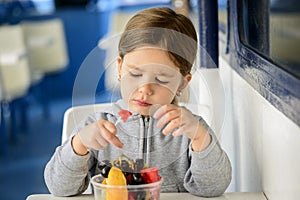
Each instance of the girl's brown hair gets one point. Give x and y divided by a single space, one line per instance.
163 28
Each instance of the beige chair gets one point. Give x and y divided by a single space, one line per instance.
14 69
47 54
46 45
14 77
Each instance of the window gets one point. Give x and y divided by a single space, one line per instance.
272 29
266 48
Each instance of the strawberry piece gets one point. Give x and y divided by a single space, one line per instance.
150 175
124 114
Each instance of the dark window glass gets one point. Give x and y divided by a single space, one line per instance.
272 28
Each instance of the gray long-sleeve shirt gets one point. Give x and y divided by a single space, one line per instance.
206 173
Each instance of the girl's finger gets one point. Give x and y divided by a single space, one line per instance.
110 127
101 141
173 124
162 110
167 117
178 132
111 137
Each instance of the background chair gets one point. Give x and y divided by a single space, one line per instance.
14 73
47 52
15 77
46 45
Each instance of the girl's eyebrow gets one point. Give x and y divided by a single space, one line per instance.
134 67
167 72
164 74
159 73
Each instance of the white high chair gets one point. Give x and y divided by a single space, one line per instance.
74 116
14 73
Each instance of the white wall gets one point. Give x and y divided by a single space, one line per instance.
262 143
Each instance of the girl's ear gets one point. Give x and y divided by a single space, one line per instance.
119 60
185 82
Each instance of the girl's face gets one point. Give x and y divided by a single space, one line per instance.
148 79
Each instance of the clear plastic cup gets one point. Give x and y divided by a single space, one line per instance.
149 191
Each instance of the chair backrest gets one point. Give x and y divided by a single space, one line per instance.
46 45
74 115
14 69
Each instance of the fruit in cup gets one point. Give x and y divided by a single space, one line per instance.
116 177
150 175
104 167
125 171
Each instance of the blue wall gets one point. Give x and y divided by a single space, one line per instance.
83 30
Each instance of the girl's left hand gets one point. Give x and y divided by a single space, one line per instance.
177 119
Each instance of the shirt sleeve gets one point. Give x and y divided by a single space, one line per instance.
210 171
67 173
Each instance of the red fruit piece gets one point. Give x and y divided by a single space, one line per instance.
150 175
124 114
131 196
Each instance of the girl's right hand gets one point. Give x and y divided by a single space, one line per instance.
96 136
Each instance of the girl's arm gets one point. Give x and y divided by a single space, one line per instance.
210 171
202 141
67 173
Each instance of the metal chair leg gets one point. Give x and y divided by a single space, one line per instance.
3 132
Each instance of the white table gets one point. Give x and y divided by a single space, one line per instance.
163 196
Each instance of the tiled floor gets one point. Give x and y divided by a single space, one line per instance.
21 169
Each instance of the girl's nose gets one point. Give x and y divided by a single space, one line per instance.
146 89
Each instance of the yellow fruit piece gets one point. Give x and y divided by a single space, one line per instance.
116 177
104 181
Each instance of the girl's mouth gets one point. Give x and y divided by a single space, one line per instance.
142 103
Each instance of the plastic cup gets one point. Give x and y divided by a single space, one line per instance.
149 191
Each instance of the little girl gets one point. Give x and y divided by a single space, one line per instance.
156 54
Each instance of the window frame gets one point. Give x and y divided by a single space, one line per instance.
280 88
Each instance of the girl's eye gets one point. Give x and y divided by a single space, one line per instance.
161 81
135 74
